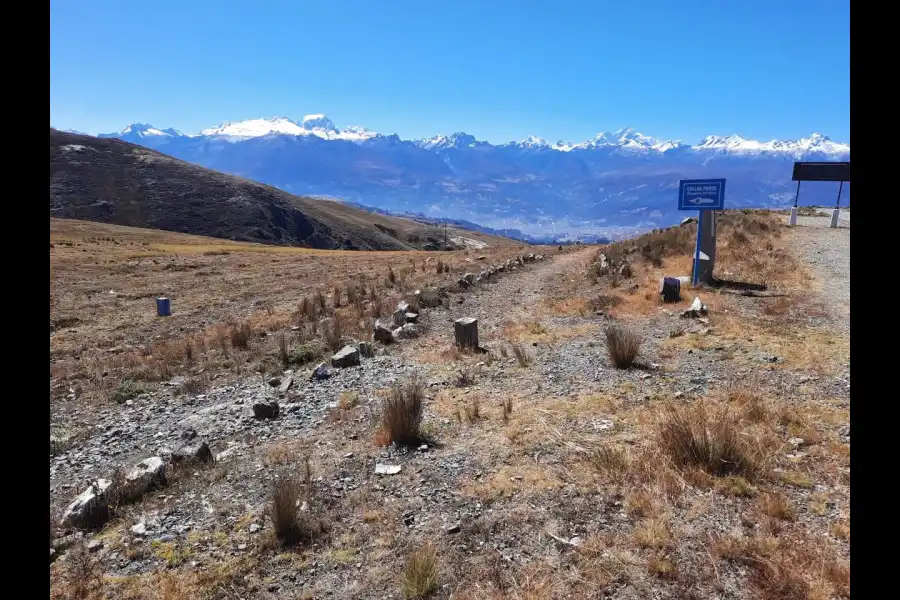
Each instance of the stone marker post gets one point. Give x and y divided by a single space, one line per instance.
466 331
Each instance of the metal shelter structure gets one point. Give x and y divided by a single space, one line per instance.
820 171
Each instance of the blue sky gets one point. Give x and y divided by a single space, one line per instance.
500 70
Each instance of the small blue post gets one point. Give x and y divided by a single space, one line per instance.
162 307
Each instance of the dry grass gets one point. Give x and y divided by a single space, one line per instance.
401 413
506 407
622 345
612 461
788 568
295 511
522 356
81 577
472 411
711 439
210 282
420 576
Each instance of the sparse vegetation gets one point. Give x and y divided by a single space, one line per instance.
240 336
401 413
294 510
612 461
622 345
711 439
522 356
506 407
420 577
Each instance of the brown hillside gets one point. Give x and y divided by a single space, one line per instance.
115 182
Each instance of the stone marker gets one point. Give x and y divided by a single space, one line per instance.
147 474
265 410
382 333
193 453
348 356
90 508
466 332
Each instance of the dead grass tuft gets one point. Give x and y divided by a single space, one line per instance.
623 346
506 407
611 461
420 577
294 511
401 413
522 356
777 506
694 436
240 336
82 575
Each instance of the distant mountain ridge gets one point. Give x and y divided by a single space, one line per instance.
114 181
611 185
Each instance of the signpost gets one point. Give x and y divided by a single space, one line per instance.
820 171
706 196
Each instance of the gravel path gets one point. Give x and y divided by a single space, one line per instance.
826 252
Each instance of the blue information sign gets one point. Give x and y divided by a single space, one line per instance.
701 194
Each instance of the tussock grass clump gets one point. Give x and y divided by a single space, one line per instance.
240 336
82 578
612 461
694 436
464 378
401 413
420 577
524 359
623 346
472 411
506 407
293 522
333 334
128 390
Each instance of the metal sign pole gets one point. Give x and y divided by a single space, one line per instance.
836 213
701 223
794 208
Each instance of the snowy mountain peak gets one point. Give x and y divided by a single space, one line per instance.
144 130
440 142
313 122
255 128
815 143
533 141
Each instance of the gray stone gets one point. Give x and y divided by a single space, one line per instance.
320 372
688 220
147 474
382 333
455 528
286 385
265 410
94 545
408 331
469 278
366 350
254 527
348 356
139 528
412 317
275 381
193 453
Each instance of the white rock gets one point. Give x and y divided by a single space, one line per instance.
90 507
383 469
148 473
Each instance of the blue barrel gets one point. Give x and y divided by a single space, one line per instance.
162 307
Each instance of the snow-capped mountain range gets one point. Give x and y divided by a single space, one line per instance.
614 181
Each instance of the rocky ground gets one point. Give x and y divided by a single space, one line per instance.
512 504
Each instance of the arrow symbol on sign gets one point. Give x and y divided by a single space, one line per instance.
702 201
